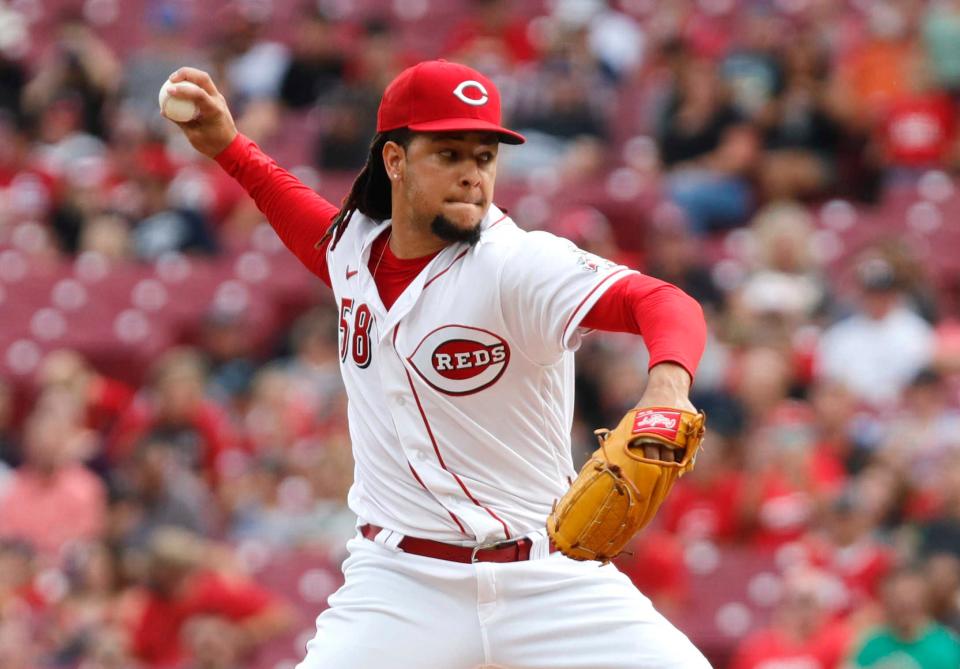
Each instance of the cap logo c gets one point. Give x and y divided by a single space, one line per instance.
460 92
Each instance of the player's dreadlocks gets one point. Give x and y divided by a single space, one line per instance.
370 192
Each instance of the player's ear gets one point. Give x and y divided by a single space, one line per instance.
394 156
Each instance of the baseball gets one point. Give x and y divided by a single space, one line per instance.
177 109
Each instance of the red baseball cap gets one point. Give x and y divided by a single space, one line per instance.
439 96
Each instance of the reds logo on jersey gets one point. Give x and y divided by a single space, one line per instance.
657 421
459 360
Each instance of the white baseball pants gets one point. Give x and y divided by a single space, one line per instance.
405 611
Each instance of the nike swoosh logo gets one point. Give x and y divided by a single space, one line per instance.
349 273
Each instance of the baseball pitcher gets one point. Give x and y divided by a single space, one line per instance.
478 544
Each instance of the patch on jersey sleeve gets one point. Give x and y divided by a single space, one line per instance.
592 262
663 422
460 360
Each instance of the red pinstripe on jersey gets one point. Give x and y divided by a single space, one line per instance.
621 272
420 481
459 256
499 219
412 470
446 269
436 448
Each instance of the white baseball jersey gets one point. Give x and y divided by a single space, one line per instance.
461 394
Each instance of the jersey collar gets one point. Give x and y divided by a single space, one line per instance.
442 261
493 216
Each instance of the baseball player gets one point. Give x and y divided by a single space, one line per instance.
457 333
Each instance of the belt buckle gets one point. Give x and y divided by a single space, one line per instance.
483 547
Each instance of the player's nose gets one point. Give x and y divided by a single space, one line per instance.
471 176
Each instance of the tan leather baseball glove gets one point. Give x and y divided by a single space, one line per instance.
619 490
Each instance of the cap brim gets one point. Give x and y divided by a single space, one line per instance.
469 124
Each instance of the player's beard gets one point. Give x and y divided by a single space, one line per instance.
449 231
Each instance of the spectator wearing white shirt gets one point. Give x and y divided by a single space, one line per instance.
879 349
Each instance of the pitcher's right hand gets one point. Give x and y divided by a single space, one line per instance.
213 129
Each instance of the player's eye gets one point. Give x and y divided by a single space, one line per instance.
486 157
448 154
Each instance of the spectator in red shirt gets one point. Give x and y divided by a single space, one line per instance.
175 408
918 127
919 131
789 476
30 186
212 642
656 566
801 636
833 405
849 549
181 586
103 399
276 415
492 31
17 572
703 504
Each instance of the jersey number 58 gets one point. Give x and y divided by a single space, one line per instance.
359 343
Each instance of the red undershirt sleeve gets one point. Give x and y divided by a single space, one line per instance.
670 321
298 214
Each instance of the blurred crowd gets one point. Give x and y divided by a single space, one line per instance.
727 146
